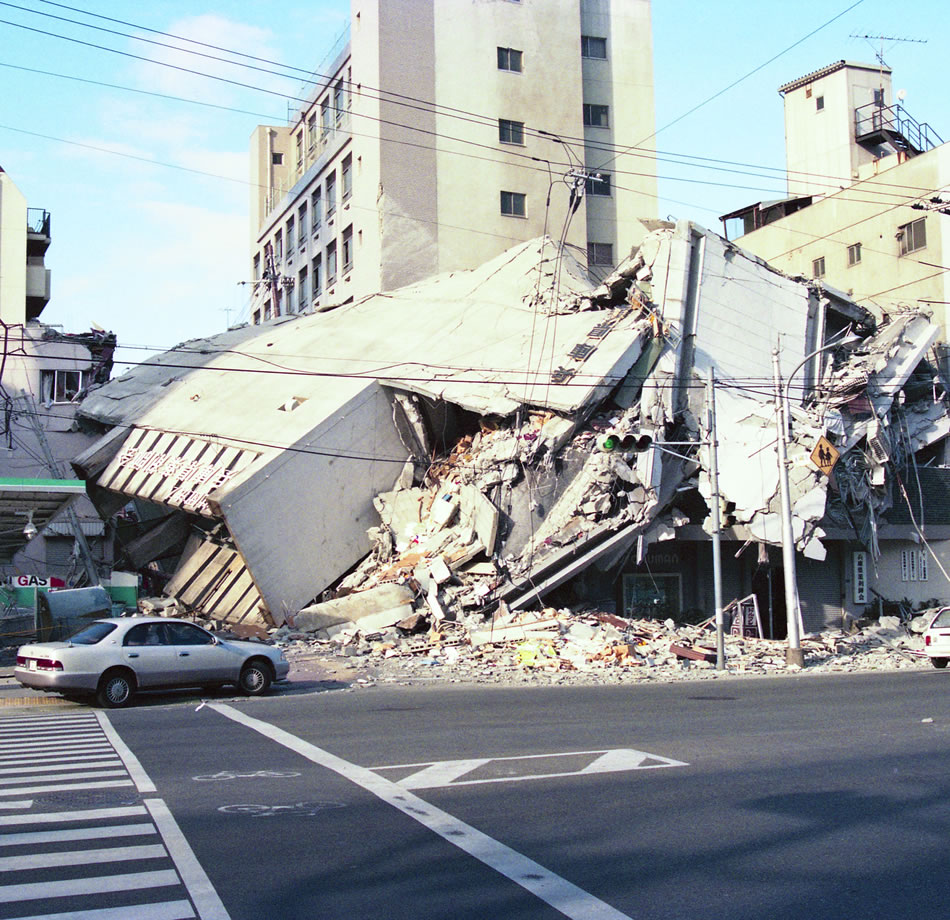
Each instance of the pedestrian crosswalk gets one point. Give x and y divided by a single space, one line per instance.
77 839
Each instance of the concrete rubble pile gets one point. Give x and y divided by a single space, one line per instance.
550 645
530 429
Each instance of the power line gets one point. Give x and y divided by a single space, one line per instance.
417 103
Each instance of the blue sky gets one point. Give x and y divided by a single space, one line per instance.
153 244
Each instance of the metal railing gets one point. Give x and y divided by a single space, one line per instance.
873 118
37 220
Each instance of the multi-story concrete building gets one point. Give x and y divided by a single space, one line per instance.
859 214
442 132
43 373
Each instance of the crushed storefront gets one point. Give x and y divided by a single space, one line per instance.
480 441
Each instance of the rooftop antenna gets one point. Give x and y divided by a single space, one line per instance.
893 39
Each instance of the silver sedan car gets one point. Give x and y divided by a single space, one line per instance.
114 658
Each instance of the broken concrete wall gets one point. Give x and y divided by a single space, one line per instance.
301 521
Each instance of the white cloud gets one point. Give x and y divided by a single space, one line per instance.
224 33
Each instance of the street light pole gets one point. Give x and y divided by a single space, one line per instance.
794 657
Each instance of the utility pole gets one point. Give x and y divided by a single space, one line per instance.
794 657
716 516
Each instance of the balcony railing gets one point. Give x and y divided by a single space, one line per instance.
37 221
874 123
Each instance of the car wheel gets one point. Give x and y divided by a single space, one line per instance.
115 689
939 662
255 678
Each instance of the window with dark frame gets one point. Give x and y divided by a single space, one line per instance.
513 204
819 103
594 47
510 132
912 236
854 254
596 116
818 267
347 176
302 225
289 238
316 270
303 296
346 240
331 195
600 254
510 59
331 263
316 210
598 184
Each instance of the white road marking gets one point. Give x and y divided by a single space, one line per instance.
164 910
199 886
86 764
142 782
78 833
82 857
73 752
52 745
452 772
561 894
57 777
58 817
64 787
132 881
19 803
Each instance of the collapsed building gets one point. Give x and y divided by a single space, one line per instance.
493 436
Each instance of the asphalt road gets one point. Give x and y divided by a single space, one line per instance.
739 798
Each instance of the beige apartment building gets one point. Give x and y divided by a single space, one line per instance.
859 214
443 132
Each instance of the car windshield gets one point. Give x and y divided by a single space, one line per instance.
91 634
942 619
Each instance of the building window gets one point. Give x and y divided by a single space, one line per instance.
510 132
290 238
600 254
302 224
325 116
60 386
291 294
338 102
303 296
346 174
509 59
257 267
913 236
513 204
312 132
316 268
819 103
331 263
879 97
331 195
299 144
277 159
854 254
593 47
278 246
596 116
818 267
347 241
316 210
599 184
